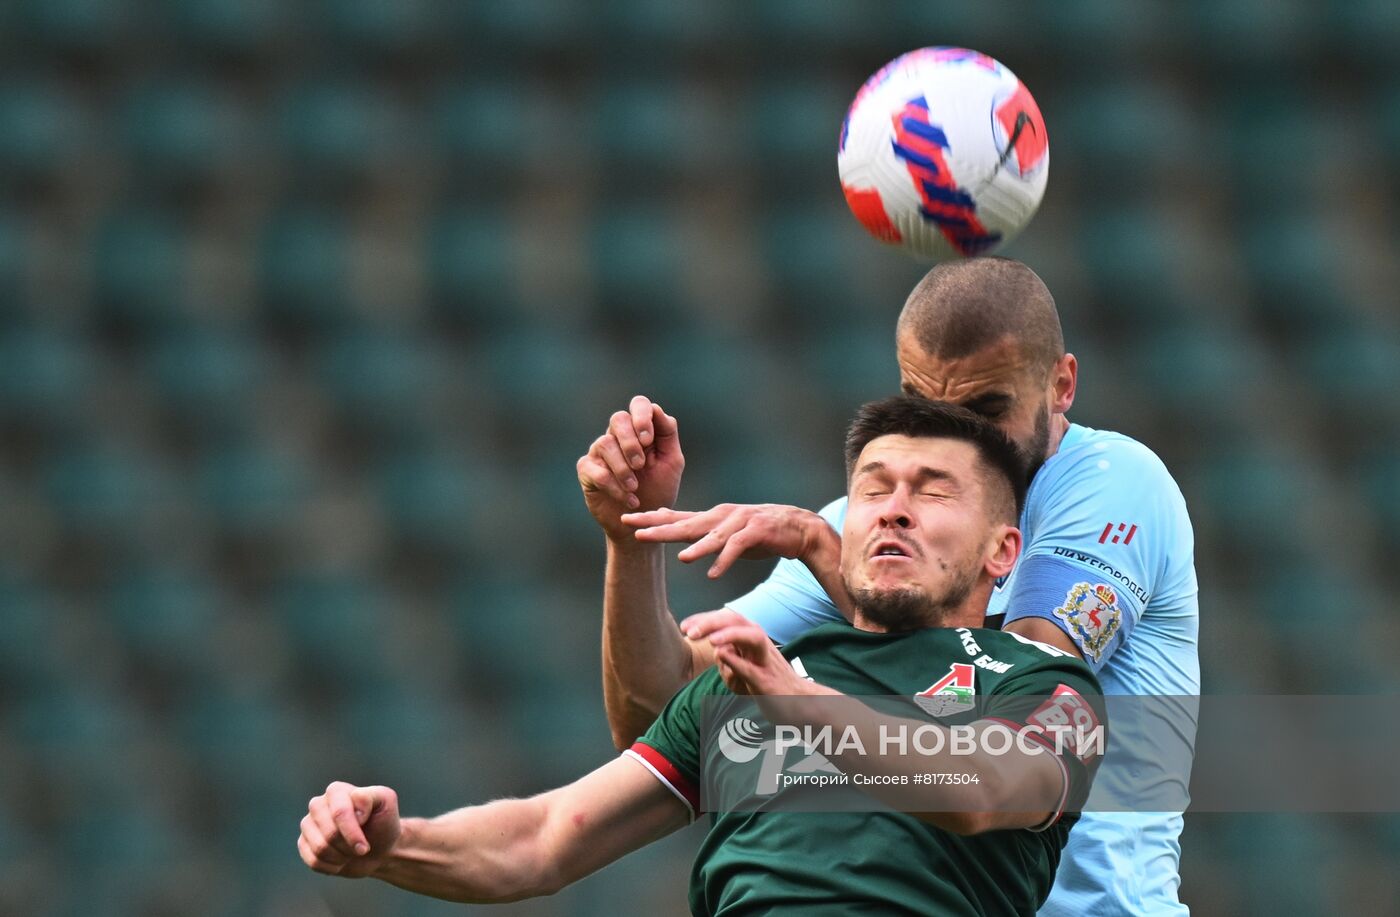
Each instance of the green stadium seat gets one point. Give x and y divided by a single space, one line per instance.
45 377
254 489
304 263
1355 368
1300 139
793 126
809 24
14 270
1136 261
1107 32
208 377
1201 369
814 255
1369 30
1296 266
108 490
640 261
1124 138
549 376
336 130
655 26
525 26
168 618
472 269
238 26
851 362
488 131
376 25
87 27
1248 503
908 24
31 655
1250 34
431 496
41 129
391 383
338 628
184 131
1264 851
139 270
657 129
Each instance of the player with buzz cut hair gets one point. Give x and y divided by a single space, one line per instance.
1107 572
934 495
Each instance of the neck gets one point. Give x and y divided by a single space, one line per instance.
1059 426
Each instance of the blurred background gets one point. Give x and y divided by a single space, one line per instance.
308 308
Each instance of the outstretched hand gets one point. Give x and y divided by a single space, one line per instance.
734 531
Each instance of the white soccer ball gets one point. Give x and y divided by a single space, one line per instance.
944 153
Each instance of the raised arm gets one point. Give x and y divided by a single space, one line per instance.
637 464
502 851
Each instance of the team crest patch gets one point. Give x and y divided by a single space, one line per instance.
955 692
1092 615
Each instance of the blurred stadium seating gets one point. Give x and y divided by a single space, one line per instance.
306 310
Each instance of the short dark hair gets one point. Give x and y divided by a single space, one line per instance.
909 415
961 307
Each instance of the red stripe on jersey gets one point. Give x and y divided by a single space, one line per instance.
668 774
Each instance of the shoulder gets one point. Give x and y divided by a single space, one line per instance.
1103 453
1107 463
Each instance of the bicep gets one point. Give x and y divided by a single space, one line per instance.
605 815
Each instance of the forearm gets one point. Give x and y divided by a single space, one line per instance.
645 657
480 854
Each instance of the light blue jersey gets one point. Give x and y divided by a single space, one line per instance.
1108 557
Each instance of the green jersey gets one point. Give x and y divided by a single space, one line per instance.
879 861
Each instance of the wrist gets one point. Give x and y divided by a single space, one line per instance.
821 546
625 544
400 853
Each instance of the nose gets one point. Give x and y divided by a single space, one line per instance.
895 513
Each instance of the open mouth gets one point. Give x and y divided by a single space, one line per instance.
891 548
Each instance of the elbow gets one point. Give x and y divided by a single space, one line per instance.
629 715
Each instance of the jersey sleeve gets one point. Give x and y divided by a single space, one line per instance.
670 749
1058 705
791 601
1101 529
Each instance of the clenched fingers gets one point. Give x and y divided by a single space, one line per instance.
347 820
622 427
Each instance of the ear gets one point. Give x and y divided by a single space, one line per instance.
1005 548
1064 378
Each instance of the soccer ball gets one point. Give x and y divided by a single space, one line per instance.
944 153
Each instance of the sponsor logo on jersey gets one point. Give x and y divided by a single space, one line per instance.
1122 532
1124 580
1068 710
991 665
969 642
1092 617
955 692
